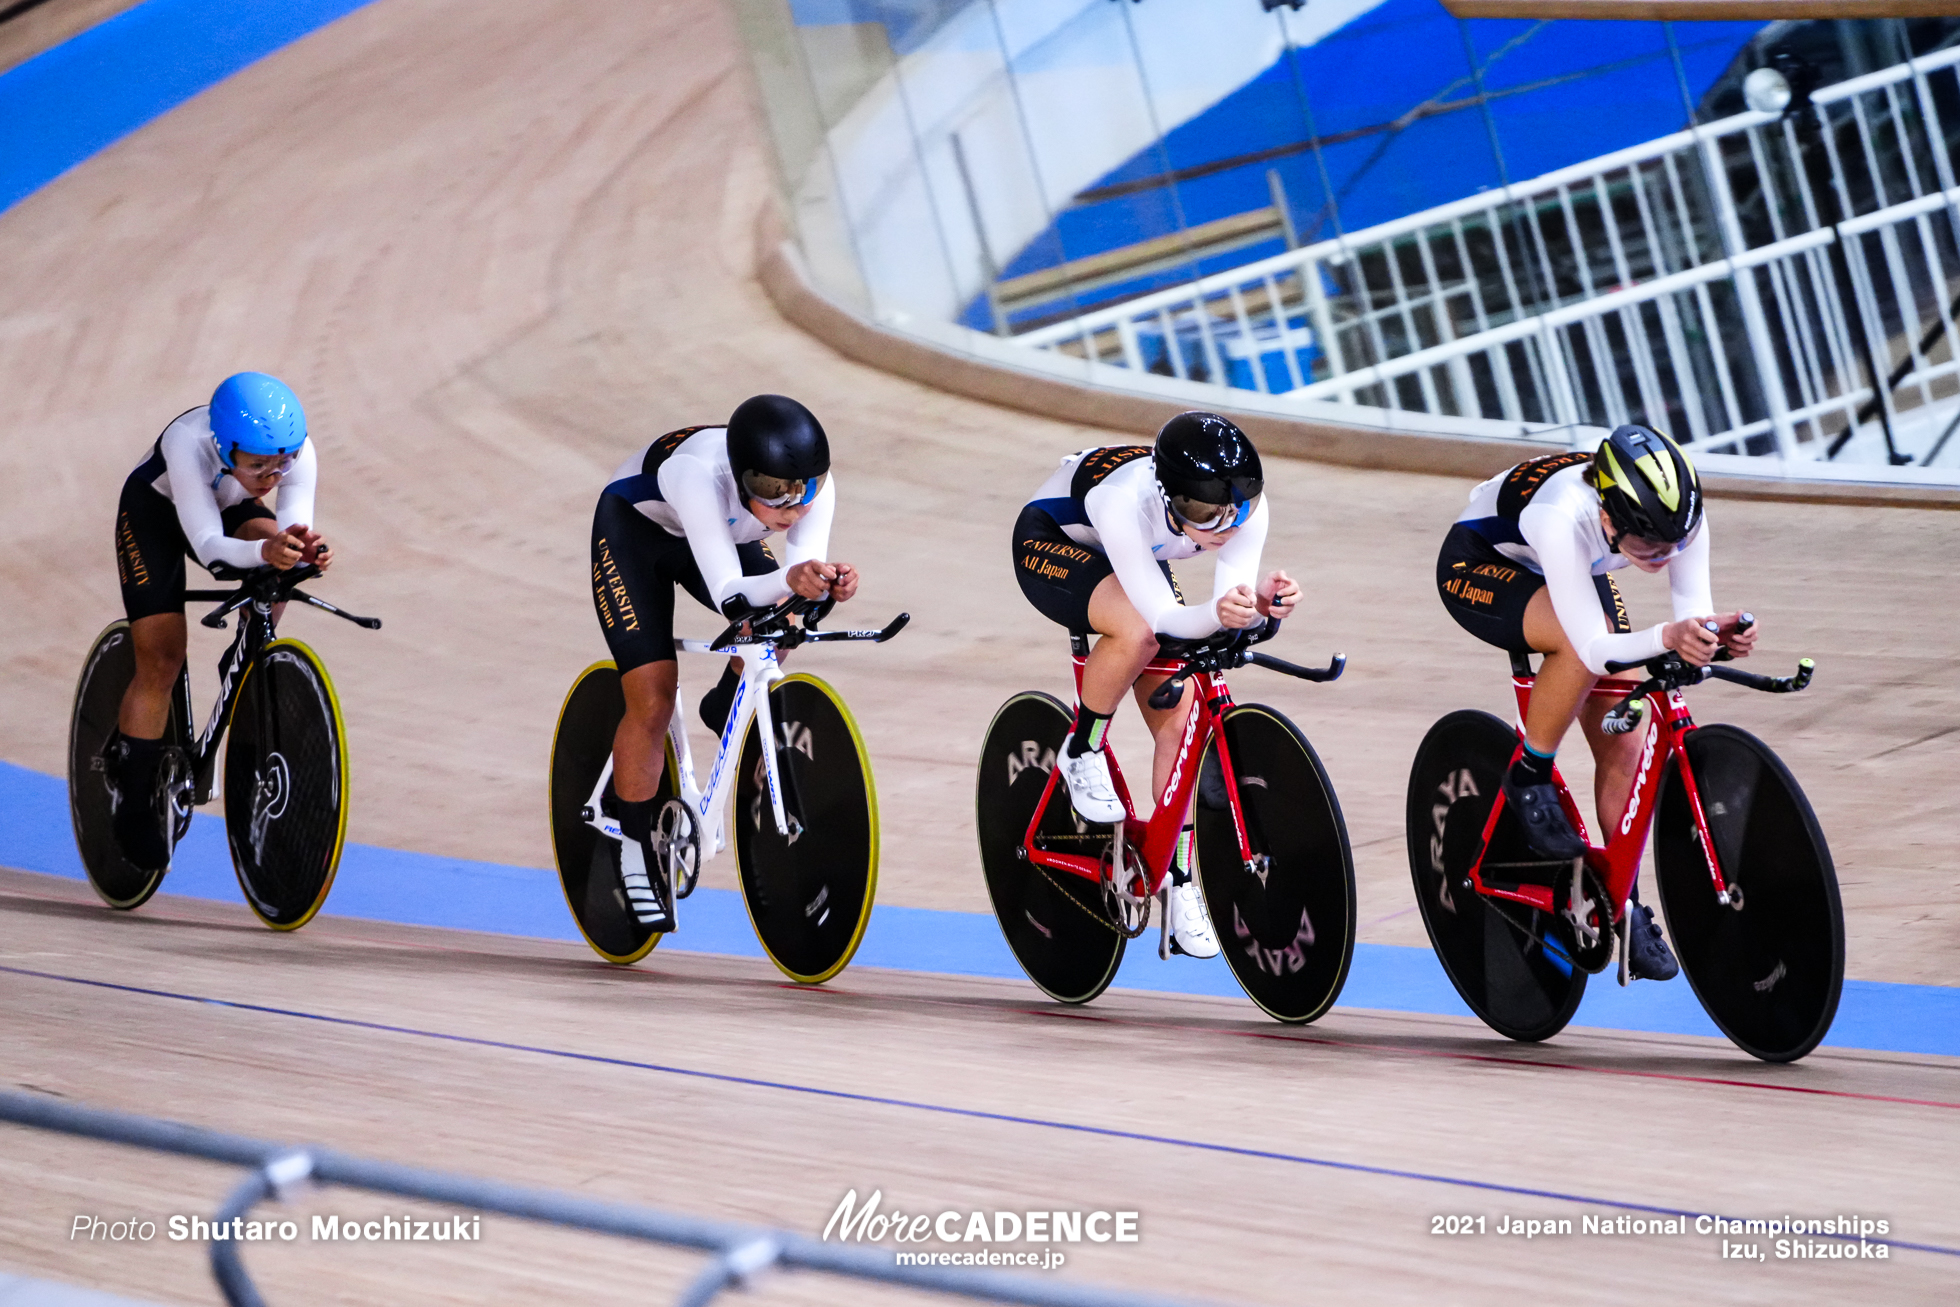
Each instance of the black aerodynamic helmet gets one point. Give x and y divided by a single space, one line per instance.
778 451
1209 471
1647 485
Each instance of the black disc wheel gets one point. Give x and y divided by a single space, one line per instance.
285 787
1512 964
106 674
809 892
1286 922
1770 970
588 862
1054 921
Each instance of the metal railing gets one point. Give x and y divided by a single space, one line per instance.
1759 285
739 1252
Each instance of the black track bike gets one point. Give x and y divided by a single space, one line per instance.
286 773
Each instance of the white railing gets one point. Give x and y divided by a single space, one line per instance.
1737 284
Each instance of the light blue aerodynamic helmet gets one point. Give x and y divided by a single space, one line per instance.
252 413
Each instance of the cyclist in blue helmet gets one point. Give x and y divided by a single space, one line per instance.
201 492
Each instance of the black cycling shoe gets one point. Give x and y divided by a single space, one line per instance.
142 832
1546 829
1649 957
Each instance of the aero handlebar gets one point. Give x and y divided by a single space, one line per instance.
269 586
1229 649
1671 672
772 626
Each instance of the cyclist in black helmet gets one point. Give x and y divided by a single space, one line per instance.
692 509
1092 551
1528 567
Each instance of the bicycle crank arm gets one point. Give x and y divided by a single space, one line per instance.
371 623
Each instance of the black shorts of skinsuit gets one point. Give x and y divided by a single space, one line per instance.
1057 574
151 548
635 566
1487 593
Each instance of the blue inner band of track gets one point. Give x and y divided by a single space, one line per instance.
423 890
89 92
975 1114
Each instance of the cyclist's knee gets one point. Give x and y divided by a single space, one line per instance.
649 691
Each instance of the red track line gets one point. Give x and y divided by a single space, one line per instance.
1495 1058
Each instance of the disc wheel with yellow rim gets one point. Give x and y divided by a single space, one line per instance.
286 778
588 862
809 892
106 674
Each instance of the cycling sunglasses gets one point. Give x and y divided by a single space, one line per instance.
1197 514
776 492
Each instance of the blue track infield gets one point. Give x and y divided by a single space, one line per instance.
420 889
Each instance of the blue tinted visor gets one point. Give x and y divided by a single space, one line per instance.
1212 517
776 492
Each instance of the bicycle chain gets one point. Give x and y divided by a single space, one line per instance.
1091 913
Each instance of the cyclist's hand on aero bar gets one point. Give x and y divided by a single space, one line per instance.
1740 644
1238 608
1691 638
1277 595
284 550
314 548
815 580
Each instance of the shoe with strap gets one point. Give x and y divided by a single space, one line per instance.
1191 931
1089 788
1547 830
1649 957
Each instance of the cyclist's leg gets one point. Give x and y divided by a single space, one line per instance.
159 641
1506 604
1074 586
150 551
635 604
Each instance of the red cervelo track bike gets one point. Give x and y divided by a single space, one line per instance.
1745 878
1272 856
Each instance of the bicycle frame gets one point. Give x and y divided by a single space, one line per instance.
1617 861
1157 838
760 671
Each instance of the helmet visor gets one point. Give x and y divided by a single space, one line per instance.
1198 514
776 492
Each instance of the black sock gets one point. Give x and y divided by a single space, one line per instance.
1532 768
1090 727
716 702
636 819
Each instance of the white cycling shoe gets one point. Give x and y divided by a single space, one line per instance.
1089 787
645 896
1190 923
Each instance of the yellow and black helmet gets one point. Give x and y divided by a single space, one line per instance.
1647 485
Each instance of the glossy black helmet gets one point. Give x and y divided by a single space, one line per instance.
1647 485
1209 471
778 451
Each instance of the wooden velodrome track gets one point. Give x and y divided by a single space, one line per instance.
495 247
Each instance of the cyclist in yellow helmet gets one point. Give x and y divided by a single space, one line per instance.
1528 567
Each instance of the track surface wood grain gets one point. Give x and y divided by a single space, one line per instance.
497 248
1267 1164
